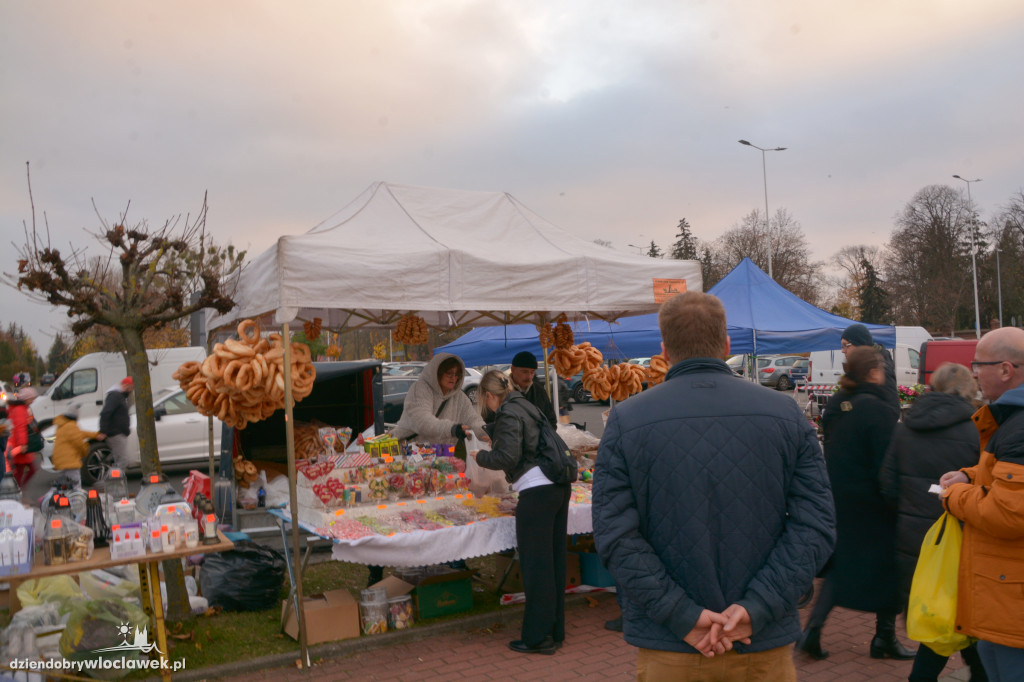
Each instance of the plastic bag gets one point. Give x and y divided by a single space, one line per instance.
931 617
118 626
59 589
247 578
482 481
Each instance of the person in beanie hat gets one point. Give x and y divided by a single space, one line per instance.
524 373
857 335
71 444
115 422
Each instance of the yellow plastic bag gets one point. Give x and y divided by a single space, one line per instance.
931 617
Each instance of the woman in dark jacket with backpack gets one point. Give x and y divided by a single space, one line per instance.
936 435
542 514
858 424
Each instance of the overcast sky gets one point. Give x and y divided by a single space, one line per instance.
611 119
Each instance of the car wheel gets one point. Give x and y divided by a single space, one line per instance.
472 393
97 463
580 394
784 383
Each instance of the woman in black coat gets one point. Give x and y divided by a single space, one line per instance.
861 575
937 435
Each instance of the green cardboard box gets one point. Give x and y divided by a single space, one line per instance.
445 593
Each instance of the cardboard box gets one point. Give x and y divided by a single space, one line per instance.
514 582
443 594
330 616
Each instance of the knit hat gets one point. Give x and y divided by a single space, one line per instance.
71 412
27 394
858 335
127 383
525 359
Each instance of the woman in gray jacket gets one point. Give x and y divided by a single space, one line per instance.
542 514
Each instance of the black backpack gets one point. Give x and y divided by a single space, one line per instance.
553 456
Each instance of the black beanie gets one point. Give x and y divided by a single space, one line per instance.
858 335
525 359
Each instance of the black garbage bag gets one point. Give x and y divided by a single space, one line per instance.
247 578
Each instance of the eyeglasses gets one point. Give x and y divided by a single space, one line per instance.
844 344
454 374
981 363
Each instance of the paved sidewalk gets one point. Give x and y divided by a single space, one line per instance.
476 649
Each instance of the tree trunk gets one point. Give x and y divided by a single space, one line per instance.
178 606
145 425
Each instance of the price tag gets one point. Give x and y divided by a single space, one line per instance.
415 458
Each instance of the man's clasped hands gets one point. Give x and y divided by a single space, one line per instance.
715 633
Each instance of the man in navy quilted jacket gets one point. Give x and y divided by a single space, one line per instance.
712 511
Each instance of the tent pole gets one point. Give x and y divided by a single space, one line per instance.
293 499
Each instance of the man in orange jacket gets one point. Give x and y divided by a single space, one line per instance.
989 499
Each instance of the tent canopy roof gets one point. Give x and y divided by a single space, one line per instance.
454 257
762 316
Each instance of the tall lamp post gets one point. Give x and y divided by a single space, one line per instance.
764 173
999 286
974 260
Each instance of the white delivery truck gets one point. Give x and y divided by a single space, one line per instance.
827 365
87 379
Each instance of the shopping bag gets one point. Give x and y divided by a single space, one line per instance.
482 481
931 616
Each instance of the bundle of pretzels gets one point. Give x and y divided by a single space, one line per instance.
242 381
571 360
656 372
411 330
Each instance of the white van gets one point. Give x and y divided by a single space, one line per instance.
827 366
87 379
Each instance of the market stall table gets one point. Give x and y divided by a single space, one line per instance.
426 547
149 581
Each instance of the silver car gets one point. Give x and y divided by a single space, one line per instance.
182 437
777 371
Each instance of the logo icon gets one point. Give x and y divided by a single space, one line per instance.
140 641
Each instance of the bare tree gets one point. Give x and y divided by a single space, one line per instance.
785 244
928 260
148 279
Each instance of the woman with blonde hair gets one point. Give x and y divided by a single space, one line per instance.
542 514
936 435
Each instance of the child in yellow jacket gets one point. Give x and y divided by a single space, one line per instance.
71 444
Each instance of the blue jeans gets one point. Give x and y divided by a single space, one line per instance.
1002 663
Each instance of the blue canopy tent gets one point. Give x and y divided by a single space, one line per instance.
763 318
766 319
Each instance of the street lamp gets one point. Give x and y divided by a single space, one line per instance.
638 247
764 172
974 260
999 286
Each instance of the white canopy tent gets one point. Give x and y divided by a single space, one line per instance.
453 257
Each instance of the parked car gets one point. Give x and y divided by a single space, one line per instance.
47 379
182 437
395 390
412 369
776 370
738 364
576 390
799 371
643 362
6 392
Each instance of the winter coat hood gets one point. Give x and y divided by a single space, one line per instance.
429 374
933 411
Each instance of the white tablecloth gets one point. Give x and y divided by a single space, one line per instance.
426 547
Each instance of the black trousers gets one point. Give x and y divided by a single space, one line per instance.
885 623
928 665
542 518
